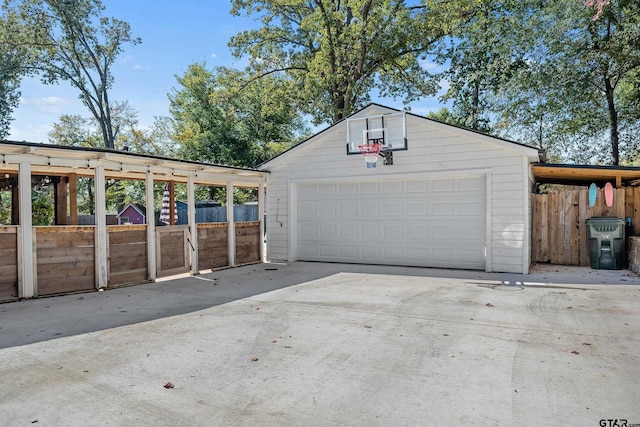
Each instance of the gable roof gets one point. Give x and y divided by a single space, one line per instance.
533 153
138 207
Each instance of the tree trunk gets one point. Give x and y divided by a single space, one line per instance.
613 121
475 106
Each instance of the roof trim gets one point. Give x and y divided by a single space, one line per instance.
571 174
97 153
134 206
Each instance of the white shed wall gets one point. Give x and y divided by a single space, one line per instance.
434 150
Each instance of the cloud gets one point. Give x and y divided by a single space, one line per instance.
127 59
427 65
138 67
213 55
48 104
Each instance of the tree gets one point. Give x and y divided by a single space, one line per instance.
78 131
69 40
482 55
221 117
9 84
594 62
338 52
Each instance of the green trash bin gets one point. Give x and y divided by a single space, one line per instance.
606 242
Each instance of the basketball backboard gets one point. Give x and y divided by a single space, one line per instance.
389 130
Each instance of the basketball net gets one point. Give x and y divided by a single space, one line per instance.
371 153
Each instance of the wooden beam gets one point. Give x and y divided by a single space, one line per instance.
618 181
193 229
101 244
151 229
60 191
73 199
26 286
231 230
15 205
261 198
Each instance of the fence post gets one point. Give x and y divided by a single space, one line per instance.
231 227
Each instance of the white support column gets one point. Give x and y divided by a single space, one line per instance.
193 227
231 227
261 200
151 229
28 274
101 228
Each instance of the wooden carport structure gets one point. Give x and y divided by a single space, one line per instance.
68 257
558 228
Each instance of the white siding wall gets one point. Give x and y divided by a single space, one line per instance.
433 150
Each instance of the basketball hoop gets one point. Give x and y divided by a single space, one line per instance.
371 153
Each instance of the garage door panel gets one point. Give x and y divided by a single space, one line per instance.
392 187
347 231
442 185
443 208
419 186
472 185
347 189
437 223
308 231
307 209
347 209
327 230
350 252
393 253
392 231
417 231
414 209
470 208
391 209
369 187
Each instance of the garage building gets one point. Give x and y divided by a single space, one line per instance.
441 196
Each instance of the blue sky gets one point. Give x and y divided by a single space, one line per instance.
174 35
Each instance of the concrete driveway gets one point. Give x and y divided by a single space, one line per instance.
327 344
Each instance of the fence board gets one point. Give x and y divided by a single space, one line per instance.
572 223
553 228
559 234
127 255
583 203
247 242
212 246
65 259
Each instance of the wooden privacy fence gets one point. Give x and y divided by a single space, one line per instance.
8 262
559 229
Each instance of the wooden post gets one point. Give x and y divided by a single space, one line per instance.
261 198
15 204
73 199
27 286
101 228
60 191
193 227
151 229
231 228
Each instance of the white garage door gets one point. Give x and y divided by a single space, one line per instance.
426 222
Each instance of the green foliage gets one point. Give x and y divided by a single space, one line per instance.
445 115
483 53
9 85
5 207
78 131
222 118
41 206
70 40
336 52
